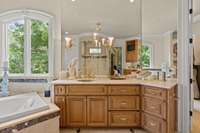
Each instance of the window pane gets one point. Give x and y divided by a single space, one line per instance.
145 56
39 47
16 46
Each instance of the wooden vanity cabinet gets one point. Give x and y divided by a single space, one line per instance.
151 108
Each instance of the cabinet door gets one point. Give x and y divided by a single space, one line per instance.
61 103
76 111
97 111
153 124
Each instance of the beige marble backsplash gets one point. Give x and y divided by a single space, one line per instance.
20 88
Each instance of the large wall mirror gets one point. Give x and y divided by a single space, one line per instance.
159 35
101 35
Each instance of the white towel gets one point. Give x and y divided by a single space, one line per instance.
195 86
197 50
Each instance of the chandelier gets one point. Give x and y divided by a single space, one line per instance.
101 41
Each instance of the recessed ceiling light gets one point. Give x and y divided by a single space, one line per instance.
73 0
132 1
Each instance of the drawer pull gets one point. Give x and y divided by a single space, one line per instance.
152 93
153 107
152 124
123 119
123 90
124 103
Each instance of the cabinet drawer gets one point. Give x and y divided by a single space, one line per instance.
154 92
124 119
87 90
124 90
59 90
153 124
154 106
124 102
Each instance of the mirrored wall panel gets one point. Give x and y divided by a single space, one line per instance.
159 36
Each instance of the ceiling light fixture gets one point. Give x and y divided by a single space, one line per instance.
132 1
73 0
101 41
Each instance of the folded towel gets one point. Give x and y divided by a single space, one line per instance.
196 50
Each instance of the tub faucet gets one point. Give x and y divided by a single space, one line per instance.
4 83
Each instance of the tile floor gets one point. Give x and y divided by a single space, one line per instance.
102 131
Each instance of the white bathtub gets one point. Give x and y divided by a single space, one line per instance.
18 106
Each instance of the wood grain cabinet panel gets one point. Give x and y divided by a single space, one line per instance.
97 112
60 90
124 119
87 90
76 111
153 124
60 101
124 90
124 102
154 92
154 106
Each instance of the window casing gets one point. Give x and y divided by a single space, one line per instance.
28 17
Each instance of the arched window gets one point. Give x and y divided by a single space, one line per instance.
27 42
147 55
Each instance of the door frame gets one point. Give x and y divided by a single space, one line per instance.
184 65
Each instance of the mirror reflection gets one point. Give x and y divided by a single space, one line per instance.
159 36
103 41
119 38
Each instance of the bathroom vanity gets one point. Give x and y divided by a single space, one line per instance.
112 103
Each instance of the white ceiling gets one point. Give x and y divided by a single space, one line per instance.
120 18
159 16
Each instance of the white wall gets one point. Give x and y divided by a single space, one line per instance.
69 53
161 48
160 44
196 29
157 44
51 7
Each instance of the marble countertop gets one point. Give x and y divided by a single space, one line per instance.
170 83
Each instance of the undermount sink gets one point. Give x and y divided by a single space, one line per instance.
86 79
